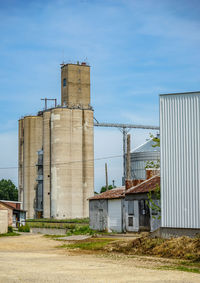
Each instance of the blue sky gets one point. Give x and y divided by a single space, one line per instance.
137 49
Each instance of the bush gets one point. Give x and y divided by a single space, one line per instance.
10 229
81 230
24 228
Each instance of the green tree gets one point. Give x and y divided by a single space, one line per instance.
8 190
103 189
152 203
151 164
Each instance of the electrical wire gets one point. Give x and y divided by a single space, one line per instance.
64 163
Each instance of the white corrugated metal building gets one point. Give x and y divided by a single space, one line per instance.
180 163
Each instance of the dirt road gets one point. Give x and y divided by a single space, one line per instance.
33 258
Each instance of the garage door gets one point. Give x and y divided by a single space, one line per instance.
114 215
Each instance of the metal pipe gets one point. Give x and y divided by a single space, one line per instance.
130 126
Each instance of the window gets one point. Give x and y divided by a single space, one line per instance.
130 221
130 207
64 82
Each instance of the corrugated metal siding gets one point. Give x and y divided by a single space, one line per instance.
98 211
180 160
139 161
115 215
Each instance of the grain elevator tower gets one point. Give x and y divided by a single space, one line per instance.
63 178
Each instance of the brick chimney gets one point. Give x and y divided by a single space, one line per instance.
150 172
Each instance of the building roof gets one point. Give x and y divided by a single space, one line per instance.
177 93
146 186
110 194
12 205
147 147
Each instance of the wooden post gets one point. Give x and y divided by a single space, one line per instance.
128 158
106 171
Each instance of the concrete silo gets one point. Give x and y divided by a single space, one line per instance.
32 143
57 155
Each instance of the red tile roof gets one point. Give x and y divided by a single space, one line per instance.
146 186
111 194
12 205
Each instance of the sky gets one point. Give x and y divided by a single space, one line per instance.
137 49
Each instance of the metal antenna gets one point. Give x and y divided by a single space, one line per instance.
47 99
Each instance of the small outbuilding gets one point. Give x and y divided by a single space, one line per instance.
16 216
106 210
139 215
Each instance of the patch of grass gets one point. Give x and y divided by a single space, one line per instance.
180 268
24 228
50 220
81 230
9 234
51 225
53 236
97 244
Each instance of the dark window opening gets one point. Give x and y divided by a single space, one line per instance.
130 221
64 82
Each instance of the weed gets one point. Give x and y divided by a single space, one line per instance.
9 234
81 230
50 220
98 244
10 229
180 268
24 228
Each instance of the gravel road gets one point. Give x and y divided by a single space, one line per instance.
34 258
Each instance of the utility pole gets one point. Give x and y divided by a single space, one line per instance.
113 181
128 161
106 171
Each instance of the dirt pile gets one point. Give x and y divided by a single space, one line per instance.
182 247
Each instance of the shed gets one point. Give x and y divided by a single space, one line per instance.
106 210
139 216
16 216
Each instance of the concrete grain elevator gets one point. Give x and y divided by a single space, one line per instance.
56 152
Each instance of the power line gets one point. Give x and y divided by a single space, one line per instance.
63 163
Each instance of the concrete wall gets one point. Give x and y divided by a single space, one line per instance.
3 221
77 89
9 213
32 143
98 214
46 164
72 165
20 158
88 159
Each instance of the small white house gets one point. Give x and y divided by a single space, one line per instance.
106 210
